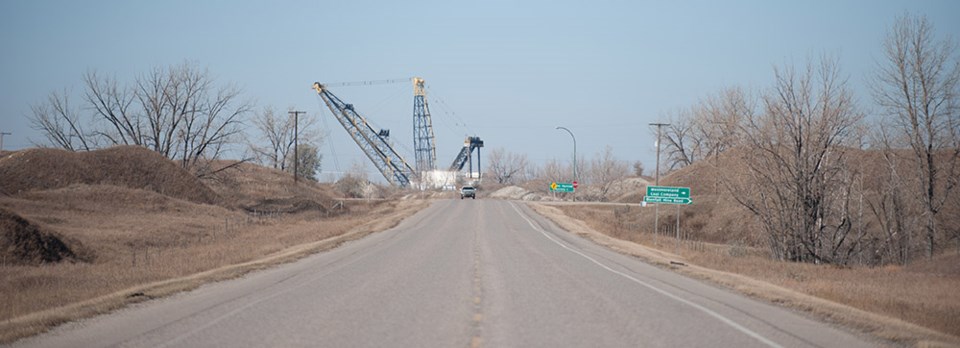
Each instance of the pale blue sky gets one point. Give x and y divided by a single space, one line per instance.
510 71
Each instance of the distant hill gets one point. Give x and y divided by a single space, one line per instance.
127 166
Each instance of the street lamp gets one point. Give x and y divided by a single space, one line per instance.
574 156
574 160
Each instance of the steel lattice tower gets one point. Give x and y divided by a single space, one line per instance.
424 145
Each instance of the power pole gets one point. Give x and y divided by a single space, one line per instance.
656 218
296 140
1 139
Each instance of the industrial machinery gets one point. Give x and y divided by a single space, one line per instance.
424 143
374 143
466 156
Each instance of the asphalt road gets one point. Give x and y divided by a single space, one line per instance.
460 273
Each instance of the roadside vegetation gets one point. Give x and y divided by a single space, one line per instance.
799 186
824 178
88 232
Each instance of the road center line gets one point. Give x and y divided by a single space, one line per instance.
706 310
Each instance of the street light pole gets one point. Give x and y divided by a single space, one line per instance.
574 158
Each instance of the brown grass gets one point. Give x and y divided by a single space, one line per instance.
153 245
125 166
140 235
917 305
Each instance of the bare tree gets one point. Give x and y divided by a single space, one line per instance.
506 167
896 216
179 112
113 116
917 89
274 144
551 171
638 169
274 138
708 128
720 118
681 145
60 123
794 180
605 170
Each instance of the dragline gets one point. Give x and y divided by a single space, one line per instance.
373 143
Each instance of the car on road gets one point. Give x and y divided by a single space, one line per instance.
468 191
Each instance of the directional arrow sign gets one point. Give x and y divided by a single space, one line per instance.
667 200
561 187
668 195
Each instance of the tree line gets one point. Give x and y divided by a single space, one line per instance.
600 172
828 182
181 112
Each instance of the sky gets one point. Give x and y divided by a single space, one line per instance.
509 72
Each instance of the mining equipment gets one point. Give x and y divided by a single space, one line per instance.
395 169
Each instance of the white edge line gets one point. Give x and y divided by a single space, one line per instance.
706 310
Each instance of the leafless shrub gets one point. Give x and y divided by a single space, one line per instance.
918 90
272 145
605 170
795 181
507 167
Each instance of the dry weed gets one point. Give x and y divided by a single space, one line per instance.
141 238
924 295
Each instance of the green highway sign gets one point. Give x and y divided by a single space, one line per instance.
668 195
561 187
666 200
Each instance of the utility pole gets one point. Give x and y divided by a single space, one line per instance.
1 139
656 218
296 140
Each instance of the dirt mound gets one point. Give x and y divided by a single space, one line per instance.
628 190
23 243
259 189
128 166
519 193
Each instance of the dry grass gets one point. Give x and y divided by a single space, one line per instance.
917 305
146 245
137 226
125 166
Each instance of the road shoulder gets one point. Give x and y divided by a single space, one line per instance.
863 322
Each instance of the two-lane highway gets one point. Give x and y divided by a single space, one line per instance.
459 273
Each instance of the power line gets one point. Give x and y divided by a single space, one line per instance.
366 83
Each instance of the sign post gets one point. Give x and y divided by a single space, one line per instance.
669 195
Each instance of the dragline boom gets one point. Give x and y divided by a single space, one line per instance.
393 167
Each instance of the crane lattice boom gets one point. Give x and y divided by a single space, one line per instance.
424 142
393 167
